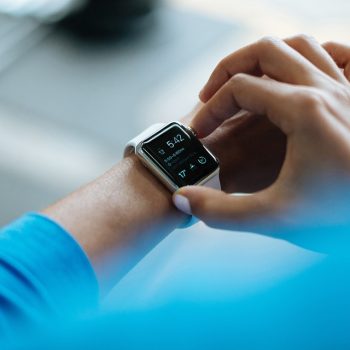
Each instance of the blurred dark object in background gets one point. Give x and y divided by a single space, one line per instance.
108 18
85 18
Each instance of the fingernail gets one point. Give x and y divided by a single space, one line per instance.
182 203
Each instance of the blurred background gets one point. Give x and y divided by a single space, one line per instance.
80 78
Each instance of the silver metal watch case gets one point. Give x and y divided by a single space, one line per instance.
137 145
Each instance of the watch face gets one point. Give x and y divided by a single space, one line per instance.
179 155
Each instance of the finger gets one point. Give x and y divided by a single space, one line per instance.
316 54
221 210
188 117
269 56
340 53
278 101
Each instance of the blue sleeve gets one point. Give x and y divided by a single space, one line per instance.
43 271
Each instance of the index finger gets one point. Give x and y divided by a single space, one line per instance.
268 56
280 102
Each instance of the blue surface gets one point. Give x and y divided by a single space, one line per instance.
202 290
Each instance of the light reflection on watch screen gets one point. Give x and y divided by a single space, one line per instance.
180 155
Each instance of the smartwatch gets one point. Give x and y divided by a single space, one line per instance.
174 154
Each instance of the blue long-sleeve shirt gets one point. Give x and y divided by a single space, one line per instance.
221 290
43 274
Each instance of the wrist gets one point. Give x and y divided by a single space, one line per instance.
145 201
118 217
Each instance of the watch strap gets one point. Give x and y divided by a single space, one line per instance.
214 182
132 144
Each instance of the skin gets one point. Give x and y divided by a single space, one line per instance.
124 213
340 54
302 88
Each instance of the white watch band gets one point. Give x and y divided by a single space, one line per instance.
214 182
132 144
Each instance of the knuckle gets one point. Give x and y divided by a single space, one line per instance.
310 100
268 42
328 44
237 79
304 40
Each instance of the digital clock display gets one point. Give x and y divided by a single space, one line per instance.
180 155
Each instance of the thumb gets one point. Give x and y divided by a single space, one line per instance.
222 210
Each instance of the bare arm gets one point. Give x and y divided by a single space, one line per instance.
118 218
123 214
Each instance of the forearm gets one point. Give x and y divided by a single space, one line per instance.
118 218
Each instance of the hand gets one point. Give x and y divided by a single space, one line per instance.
249 166
307 97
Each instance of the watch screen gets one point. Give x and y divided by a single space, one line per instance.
180 155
